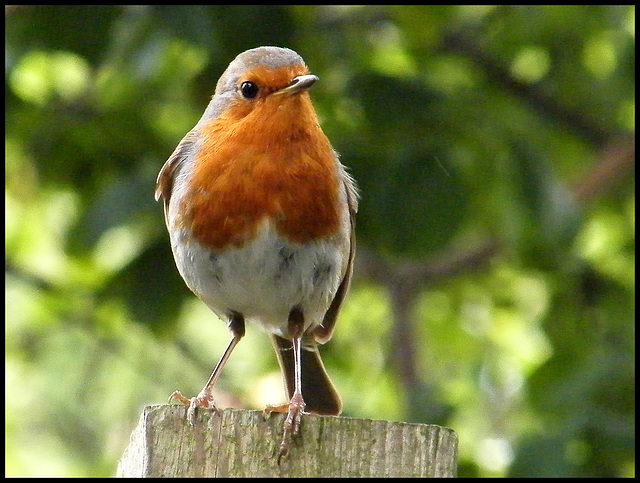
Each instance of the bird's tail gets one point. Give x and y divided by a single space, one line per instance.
318 392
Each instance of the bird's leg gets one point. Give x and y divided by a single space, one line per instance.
205 398
295 407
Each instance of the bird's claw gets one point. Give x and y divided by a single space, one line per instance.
295 410
200 401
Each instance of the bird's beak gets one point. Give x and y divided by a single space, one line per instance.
299 83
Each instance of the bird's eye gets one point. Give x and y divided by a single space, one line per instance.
249 89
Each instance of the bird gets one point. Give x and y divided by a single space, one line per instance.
260 213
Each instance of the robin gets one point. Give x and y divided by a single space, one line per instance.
260 213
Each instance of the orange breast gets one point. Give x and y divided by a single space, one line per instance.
271 162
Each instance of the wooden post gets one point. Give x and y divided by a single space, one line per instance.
241 443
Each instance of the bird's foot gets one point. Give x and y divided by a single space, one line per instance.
294 410
202 400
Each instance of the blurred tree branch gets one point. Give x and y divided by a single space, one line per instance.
535 95
404 279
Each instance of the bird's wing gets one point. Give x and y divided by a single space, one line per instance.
164 183
323 333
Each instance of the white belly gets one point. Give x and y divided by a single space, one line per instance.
264 279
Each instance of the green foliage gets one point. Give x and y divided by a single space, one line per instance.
495 285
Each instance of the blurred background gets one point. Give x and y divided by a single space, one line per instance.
495 280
